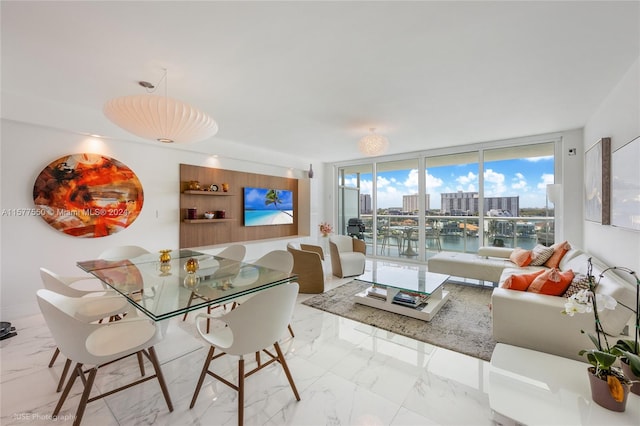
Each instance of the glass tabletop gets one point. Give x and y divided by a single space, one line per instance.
164 290
408 279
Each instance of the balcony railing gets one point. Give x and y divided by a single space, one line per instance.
398 235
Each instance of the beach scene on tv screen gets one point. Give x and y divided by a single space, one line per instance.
263 206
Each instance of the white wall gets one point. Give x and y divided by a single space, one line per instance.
618 117
28 242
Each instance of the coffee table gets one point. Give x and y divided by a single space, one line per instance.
388 281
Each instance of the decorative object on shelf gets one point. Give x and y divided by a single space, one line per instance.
165 256
325 229
225 187
213 187
221 214
597 174
191 265
160 118
209 215
603 356
192 213
194 185
373 144
310 172
87 195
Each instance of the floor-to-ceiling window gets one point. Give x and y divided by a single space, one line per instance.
413 207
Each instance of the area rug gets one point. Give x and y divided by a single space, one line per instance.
463 324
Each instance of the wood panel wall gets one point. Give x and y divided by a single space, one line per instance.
201 232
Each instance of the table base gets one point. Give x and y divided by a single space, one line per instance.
436 300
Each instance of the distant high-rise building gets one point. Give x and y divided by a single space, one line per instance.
365 204
467 203
410 203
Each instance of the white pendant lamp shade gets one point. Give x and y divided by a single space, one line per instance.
373 144
160 118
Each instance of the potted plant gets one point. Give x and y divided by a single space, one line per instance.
609 385
627 349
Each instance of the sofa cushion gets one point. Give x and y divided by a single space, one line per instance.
579 282
520 256
552 282
488 251
540 254
559 250
520 282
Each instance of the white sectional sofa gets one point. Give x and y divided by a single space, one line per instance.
533 320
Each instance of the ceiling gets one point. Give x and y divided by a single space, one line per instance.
308 79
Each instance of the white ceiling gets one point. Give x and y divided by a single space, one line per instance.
308 79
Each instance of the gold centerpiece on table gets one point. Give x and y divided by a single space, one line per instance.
165 256
191 266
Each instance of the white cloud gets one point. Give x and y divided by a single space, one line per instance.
494 183
536 159
519 182
545 179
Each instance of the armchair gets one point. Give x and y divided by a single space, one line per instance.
347 256
307 265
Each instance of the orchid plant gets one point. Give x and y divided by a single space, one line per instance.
603 356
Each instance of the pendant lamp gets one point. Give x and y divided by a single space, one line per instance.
373 144
160 118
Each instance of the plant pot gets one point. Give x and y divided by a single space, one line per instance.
602 396
635 387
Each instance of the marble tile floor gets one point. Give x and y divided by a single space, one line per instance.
347 373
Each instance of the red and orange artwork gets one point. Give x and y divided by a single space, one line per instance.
88 195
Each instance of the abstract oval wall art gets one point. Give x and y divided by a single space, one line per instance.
88 195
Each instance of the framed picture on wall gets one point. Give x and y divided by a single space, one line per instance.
597 173
625 186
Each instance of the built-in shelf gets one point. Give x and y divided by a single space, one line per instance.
207 220
201 192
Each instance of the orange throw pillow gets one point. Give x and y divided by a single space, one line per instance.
559 250
520 257
520 282
552 282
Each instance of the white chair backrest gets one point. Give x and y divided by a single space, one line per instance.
262 320
91 343
235 252
53 282
280 260
344 243
122 253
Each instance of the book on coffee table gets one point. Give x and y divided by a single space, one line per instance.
377 293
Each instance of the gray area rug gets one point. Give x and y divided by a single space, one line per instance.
462 325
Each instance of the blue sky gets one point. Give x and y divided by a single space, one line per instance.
254 199
527 178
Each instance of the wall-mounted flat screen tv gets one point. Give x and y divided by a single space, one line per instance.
264 206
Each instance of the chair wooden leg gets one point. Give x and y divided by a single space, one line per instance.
285 367
85 396
63 375
291 331
53 358
77 370
240 391
141 363
163 385
203 374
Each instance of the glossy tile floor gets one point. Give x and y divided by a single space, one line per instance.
347 373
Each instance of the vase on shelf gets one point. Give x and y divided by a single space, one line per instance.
602 394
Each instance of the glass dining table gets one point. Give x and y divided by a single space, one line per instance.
162 290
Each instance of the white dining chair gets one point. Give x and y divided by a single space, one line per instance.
122 252
99 305
234 253
251 328
95 345
279 260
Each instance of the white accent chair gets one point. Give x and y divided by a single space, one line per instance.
96 345
251 328
347 256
